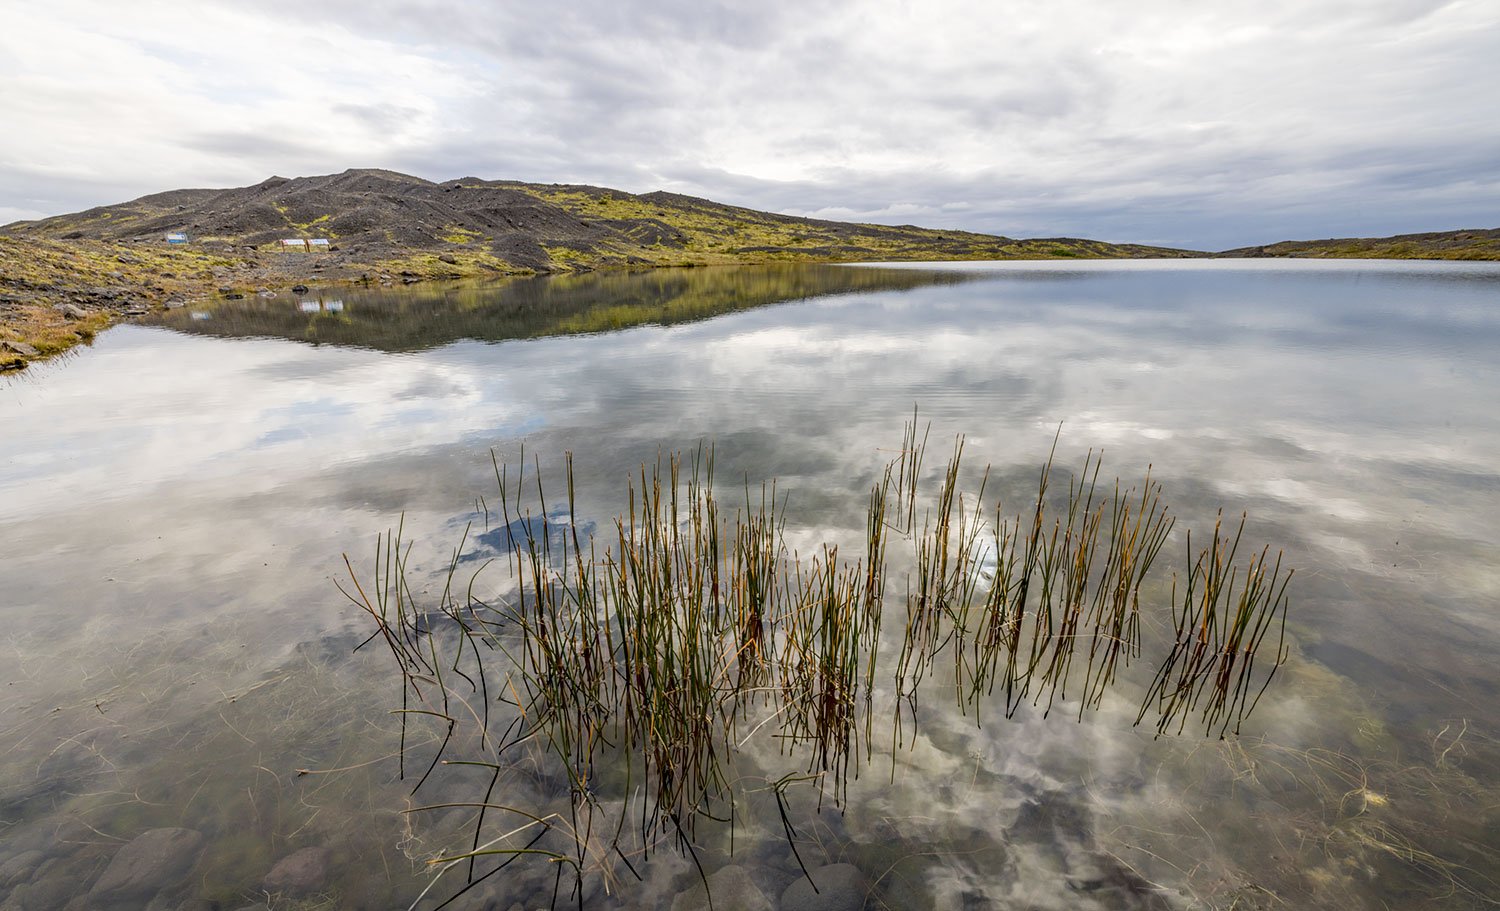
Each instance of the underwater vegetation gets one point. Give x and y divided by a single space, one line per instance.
637 665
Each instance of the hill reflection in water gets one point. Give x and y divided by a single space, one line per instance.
415 318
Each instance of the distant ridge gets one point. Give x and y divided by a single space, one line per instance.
376 215
1467 244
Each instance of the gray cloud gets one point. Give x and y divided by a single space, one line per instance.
1209 127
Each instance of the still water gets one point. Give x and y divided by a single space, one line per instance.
176 502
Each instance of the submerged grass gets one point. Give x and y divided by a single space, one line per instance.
642 664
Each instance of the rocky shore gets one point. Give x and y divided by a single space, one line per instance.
64 278
58 294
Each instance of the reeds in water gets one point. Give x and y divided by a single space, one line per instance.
649 659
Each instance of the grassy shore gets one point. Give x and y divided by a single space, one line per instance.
55 294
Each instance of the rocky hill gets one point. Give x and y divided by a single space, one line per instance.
396 221
64 278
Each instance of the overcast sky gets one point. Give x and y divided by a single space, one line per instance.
1209 125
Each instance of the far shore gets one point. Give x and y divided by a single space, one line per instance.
56 294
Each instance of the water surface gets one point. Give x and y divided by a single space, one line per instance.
175 501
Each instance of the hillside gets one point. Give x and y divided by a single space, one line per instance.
378 216
64 278
1472 244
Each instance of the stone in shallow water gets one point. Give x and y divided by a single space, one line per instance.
18 869
153 861
732 890
300 873
55 882
841 887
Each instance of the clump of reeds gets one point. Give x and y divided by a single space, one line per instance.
654 655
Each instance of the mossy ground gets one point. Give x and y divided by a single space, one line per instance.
56 294
683 231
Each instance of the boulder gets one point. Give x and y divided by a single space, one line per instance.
448 258
300 873
840 887
71 311
151 862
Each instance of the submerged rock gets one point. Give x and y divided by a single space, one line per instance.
731 889
18 869
300 873
153 861
840 887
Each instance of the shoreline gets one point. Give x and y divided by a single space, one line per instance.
58 294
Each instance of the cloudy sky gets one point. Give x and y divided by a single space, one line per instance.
1207 125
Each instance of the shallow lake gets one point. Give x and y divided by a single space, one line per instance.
177 501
